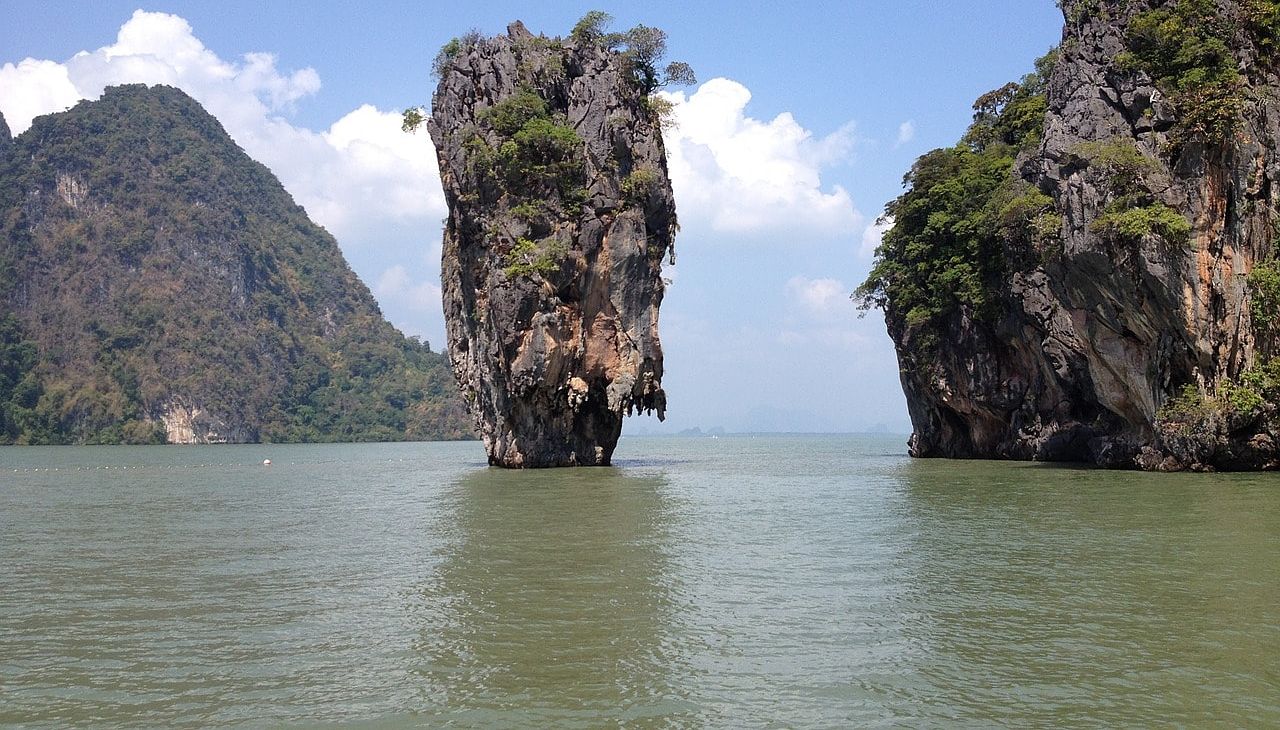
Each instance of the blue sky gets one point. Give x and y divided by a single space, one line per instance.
806 119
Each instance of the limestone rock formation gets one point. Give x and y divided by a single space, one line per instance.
560 215
1139 331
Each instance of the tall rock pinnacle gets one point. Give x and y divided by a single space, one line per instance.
560 215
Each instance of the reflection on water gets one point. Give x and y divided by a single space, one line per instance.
735 582
1061 596
554 601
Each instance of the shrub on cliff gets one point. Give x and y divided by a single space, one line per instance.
1200 430
1132 212
450 51
1264 299
643 46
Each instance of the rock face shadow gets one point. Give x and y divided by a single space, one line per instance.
554 601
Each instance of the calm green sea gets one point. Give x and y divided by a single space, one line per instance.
732 582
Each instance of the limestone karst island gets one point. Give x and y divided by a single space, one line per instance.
1091 273
349 376
560 216
161 286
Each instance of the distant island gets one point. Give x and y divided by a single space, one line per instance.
158 285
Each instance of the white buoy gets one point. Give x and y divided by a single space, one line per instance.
266 462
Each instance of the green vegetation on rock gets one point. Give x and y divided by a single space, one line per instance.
530 257
1132 212
660 109
1120 161
1264 296
450 51
21 388
643 47
147 264
510 115
544 152
536 166
1186 48
946 250
1126 221
640 183
1191 413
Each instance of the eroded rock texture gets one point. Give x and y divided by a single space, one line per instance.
1098 333
560 215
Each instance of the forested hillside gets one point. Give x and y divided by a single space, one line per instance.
157 284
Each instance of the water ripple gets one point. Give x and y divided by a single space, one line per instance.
735 582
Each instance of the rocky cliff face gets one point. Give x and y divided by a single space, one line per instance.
560 215
1139 330
6 137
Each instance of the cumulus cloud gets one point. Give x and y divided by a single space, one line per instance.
823 298
378 190
396 284
906 132
737 174
872 236
31 88
362 169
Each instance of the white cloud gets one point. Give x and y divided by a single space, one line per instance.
395 284
872 235
352 178
31 88
822 298
906 132
258 75
738 174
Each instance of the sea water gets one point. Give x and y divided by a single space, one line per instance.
744 581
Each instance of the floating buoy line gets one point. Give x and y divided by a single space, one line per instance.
173 467
136 467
